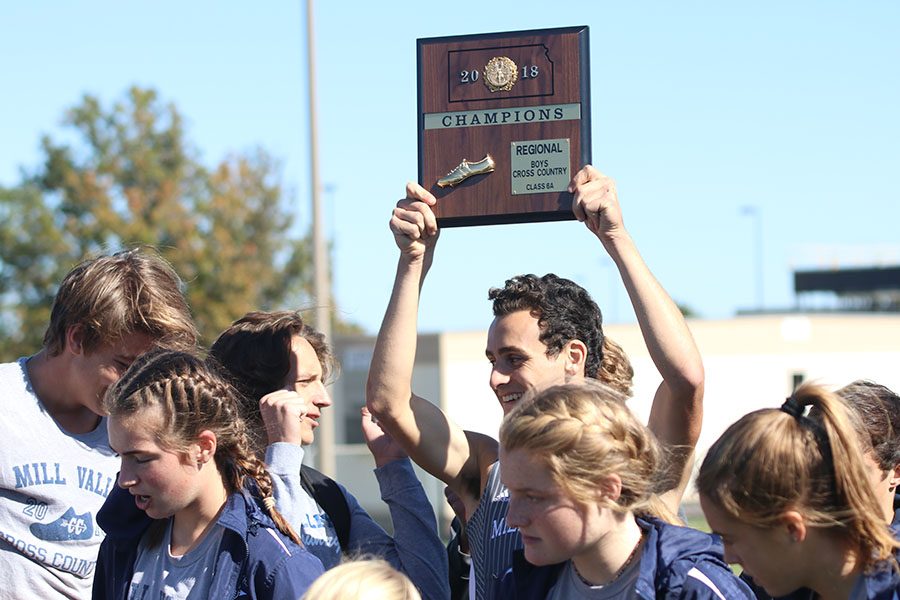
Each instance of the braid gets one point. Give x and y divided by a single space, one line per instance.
254 468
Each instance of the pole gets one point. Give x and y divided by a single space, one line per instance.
322 280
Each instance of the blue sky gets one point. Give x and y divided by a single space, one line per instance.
697 109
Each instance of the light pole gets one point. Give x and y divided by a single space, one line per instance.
322 280
755 212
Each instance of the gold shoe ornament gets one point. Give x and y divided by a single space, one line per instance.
467 169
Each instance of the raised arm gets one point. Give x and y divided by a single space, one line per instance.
415 549
429 437
677 411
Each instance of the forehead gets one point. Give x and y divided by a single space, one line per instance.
720 521
137 430
522 469
518 329
303 356
130 346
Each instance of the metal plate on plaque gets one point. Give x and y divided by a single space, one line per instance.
482 98
540 166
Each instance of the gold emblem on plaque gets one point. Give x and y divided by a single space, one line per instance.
500 74
467 169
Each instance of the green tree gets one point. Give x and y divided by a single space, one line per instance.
129 177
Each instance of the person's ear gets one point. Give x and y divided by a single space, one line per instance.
575 354
206 447
894 475
610 487
794 525
75 338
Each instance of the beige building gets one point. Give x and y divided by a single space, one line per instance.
751 362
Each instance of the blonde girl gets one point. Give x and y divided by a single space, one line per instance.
792 502
193 516
363 579
582 474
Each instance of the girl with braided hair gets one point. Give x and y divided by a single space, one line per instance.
194 515
584 477
791 498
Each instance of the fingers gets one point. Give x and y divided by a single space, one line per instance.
413 219
595 201
580 187
585 174
282 413
367 416
577 202
414 191
283 404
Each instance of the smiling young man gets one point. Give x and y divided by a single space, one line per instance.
57 465
546 331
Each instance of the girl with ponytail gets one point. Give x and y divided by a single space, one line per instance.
193 515
790 497
584 477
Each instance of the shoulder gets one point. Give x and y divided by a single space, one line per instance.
883 581
14 380
485 449
688 563
707 580
669 542
277 563
274 560
524 580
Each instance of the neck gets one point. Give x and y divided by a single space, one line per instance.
191 524
887 507
602 562
49 380
834 568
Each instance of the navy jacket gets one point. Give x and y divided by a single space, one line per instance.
255 559
881 584
676 562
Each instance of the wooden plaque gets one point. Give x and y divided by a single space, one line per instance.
504 123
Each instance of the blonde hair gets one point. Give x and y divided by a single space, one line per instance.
114 296
192 398
362 579
772 461
583 432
